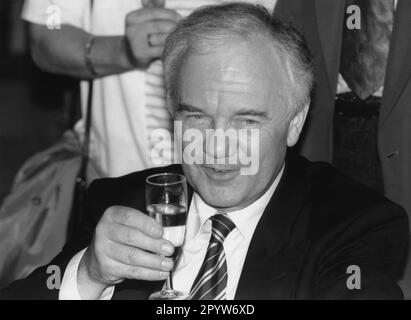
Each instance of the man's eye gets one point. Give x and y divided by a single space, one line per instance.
196 116
248 122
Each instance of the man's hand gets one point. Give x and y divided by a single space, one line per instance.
146 31
127 245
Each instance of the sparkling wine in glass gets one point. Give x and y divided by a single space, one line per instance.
166 201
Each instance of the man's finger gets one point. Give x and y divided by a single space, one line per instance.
132 256
133 237
140 273
146 3
155 52
150 14
136 219
159 3
157 39
153 3
124 271
160 26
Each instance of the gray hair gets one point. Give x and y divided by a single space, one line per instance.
211 26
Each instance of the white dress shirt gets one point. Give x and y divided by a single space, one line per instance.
195 247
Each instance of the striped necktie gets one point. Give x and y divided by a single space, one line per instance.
211 281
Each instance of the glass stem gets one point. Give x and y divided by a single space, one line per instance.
169 282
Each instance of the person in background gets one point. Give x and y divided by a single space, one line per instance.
117 43
360 114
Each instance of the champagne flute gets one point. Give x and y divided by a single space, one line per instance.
166 202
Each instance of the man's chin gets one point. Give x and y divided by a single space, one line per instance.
220 200
218 190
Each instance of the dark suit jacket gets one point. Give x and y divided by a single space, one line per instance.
315 226
321 22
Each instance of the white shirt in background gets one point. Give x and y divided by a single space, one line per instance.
126 107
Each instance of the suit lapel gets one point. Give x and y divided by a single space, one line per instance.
399 62
330 15
273 233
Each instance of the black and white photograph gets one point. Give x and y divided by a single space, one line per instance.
205 150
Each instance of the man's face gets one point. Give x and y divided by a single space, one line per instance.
241 85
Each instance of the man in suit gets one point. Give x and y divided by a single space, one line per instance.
360 112
291 230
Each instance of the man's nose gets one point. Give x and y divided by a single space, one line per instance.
220 141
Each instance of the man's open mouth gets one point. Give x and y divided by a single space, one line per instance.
221 173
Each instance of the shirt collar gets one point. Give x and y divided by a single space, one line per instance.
245 219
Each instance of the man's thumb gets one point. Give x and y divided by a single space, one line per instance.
153 3
159 3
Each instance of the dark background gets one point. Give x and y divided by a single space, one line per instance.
35 107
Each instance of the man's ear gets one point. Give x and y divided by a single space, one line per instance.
296 125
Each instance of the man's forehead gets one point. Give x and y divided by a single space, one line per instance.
238 67
234 62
